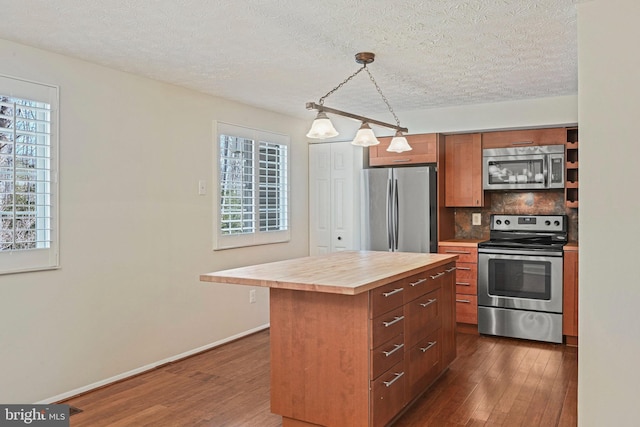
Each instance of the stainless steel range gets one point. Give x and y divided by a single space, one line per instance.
520 277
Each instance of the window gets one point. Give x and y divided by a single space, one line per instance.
253 202
28 168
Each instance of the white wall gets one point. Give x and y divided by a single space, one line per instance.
609 109
530 113
135 235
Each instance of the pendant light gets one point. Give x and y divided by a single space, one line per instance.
322 127
365 136
399 143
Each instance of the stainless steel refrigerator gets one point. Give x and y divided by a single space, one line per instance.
399 209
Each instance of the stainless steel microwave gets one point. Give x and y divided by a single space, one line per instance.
523 168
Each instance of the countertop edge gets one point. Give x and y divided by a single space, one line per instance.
461 242
571 246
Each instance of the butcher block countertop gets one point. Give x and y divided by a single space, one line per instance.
347 272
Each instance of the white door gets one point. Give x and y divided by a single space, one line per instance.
319 198
333 197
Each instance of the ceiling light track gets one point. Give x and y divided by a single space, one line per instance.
318 107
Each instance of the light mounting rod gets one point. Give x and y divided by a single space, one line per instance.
318 107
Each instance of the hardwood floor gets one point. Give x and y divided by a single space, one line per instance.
493 382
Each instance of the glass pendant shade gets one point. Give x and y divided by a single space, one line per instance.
399 143
365 137
322 128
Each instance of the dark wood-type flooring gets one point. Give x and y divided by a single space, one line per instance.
493 382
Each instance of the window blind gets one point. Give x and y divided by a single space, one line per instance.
252 167
237 206
28 235
273 187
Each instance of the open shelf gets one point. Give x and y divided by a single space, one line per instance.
571 172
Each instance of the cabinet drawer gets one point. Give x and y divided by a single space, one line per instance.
466 278
386 355
420 284
423 150
387 326
423 317
386 298
467 309
424 363
465 253
467 288
388 395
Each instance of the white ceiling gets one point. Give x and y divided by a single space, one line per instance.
279 54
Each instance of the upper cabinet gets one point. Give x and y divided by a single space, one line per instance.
527 137
463 170
423 146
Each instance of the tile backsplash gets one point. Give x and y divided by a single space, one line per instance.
546 202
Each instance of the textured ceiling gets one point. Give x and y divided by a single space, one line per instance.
279 54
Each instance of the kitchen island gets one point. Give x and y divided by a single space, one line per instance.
355 336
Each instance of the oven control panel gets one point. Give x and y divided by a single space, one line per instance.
529 223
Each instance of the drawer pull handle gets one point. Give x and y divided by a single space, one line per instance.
401 160
464 268
395 320
396 378
431 344
449 251
418 282
395 291
431 301
463 284
449 270
522 143
438 275
396 348
465 301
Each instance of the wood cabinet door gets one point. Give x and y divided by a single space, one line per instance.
387 396
467 309
570 294
424 360
523 138
423 150
463 171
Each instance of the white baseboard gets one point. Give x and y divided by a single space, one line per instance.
148 367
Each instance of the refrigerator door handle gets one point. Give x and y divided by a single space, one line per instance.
389 215
396 214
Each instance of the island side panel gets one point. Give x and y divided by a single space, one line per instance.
319 357
449 331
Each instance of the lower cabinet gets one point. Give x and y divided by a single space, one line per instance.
388 394
466 281
424 363
418 352
570 295
359 360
